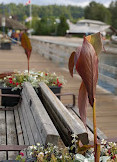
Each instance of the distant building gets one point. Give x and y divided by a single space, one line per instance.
87 27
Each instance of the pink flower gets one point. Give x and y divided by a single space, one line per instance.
21 153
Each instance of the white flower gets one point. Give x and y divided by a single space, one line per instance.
30 153
41 153
46 152
103 141
31 147
35 147
38 144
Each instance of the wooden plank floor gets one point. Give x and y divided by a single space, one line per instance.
106 104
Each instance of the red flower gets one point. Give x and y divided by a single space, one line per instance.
46 74
17 83
57 81
10 78
109 151
114 157
10 81
21 153
60 85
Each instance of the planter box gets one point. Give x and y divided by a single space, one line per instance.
9 101
55 90
6 46
13 101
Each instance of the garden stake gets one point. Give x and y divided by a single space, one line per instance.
28 66
96 146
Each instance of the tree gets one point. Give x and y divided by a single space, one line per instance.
62 26
44 26
113 10
97 11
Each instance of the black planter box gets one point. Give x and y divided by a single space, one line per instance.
9 101
55 90
6 46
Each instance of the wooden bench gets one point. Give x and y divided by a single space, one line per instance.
63 120
25 124
32 120
67 120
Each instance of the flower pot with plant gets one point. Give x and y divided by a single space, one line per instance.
11 83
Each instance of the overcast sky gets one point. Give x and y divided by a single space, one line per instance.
59 2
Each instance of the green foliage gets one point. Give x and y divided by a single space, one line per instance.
44 26
20 11
62 26
113 10
97 11
94 11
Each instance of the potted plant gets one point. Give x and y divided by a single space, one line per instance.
12 83
50 152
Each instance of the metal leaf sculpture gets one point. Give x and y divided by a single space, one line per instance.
85 59
26 44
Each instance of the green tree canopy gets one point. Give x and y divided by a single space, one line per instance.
97 11
113 10
62 26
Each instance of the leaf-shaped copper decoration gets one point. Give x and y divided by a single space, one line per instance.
25 42
73 60
77 55
83 102
71 63
87 67
96 41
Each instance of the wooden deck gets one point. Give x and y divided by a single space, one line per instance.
106 106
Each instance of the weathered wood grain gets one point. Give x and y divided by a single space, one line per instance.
26 139
43 124
100 134
18 127
61 117
90 134
27 126
31 121
2 134
11 134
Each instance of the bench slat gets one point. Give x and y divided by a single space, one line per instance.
11 134
31 121
46 129
26 140
100 134
27 126
61 117
2 134
18 127
90 134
